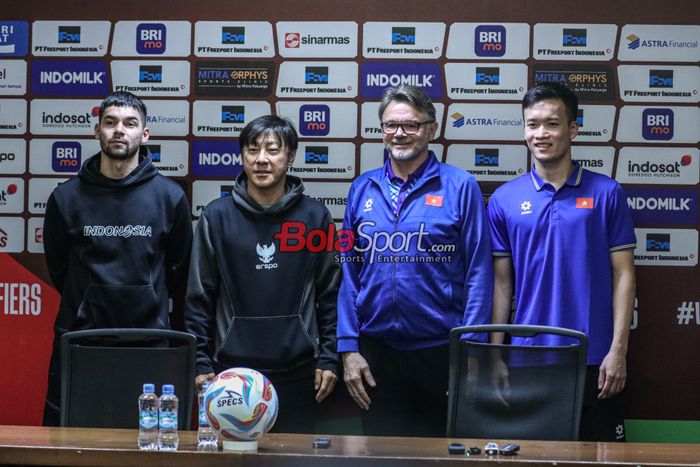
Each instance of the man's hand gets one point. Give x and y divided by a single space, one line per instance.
324 382
500 380
612 375
200 379
356 368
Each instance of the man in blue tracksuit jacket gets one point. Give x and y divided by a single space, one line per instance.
420 266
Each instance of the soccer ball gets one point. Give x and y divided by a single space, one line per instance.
241 404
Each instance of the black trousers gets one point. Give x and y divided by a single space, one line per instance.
601 419
410 398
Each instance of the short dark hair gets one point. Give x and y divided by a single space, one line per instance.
280 127
124 99
411 95
556 91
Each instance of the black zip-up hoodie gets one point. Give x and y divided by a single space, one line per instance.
250 304
115 249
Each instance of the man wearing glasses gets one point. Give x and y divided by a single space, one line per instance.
420 265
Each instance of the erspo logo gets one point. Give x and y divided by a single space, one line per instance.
150 38
216 159
376 76
14 38
490 40
314 120
657 124
69 78
65 156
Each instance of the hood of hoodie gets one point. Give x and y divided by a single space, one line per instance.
90 172
294 190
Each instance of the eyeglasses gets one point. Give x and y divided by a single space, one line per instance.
410 128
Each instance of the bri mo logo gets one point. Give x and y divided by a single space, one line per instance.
150 38
657 124
314 120
490 40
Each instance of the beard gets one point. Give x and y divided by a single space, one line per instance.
409 154
121 154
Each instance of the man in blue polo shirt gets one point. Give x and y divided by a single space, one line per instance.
566 235
420 266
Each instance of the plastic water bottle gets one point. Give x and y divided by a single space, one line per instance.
167 419
148 419
206 435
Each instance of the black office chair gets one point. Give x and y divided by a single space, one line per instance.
103 371
546 384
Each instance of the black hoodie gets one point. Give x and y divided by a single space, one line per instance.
250 304
115 249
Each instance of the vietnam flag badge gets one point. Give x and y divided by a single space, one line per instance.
584 203
433 200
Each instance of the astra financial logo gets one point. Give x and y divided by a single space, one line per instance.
314 120
403 36
316 75
633 42
490 40
486 157
657 124
65 156
658 242
660 78
487 76
69 34
69 78
150 74
233 35
316 155
232 114
574 37
150 38
457 120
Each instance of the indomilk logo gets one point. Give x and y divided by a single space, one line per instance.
657 124
403 36
316 75
150 74
487 75
314 120
150 38
486 157
233 35
316 155
658 242
490 40
660 78
124 231
154 152
65 156
574 38
69 34
232 114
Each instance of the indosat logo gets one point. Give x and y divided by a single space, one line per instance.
490 40
634 42
68 120
657 124
9 191
650 169
150 38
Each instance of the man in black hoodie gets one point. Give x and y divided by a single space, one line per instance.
252 302
117 237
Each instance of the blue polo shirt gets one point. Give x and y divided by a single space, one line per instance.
560 243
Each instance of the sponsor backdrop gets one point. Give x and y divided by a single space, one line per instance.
205 69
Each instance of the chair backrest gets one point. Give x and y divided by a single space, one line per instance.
515 391
103 371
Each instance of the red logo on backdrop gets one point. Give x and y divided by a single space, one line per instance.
39 235
292 40
28 309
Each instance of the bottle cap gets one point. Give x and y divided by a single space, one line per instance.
168 389
149 388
